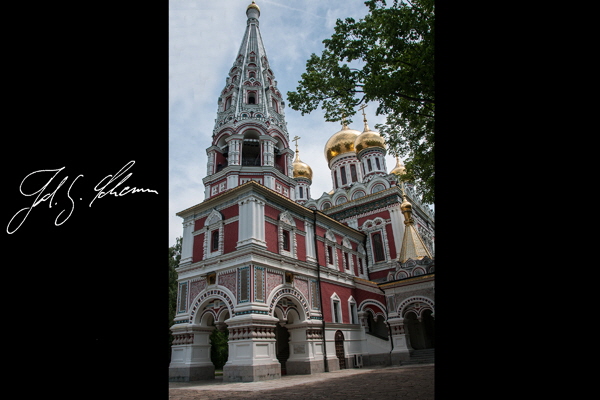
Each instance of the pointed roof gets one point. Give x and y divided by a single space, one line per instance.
250 93
413 246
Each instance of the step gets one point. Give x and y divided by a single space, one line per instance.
424 356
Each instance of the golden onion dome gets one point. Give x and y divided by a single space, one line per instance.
399 169
369 139
301 169
253 5
341 142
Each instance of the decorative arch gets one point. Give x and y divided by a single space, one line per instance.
374 185
401 274
416 304
370 302
282 292
210 294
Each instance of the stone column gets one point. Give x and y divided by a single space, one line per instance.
252 222
401 341
190 354
306 348
187 242
268 150
252 354
235 149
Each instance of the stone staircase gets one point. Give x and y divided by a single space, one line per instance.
425 356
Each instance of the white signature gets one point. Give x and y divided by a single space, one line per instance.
107 185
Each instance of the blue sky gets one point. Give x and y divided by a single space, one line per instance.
204 37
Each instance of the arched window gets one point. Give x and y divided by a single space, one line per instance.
252 98
252 74
227 103
378 247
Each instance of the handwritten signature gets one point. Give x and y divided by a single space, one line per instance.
46 193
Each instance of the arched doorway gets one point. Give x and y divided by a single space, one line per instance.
339 349
282 346
219 343
420 329
428 328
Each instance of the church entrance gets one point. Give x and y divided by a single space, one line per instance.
282 346
420 330
339 349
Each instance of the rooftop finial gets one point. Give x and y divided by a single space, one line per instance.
344 123
250 10
364 117
295 139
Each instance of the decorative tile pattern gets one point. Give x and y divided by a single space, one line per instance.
228 280
182 301
244 285
259 284
302 286
196 287
273 280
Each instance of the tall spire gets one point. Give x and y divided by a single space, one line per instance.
413 246
250 137
250 90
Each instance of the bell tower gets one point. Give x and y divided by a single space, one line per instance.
250 140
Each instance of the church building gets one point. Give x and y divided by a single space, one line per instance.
301 284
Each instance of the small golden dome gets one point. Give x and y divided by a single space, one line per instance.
253 5
406 206
399 169
369 139
301 169
341 142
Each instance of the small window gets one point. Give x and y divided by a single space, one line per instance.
252 98
360 266
378 247
252 74
301 190
336 311
227 103
353 172
335 179
353 313
215 240
289 277
212 278
275 106
286 240
369 164
343 174
377 162
330 253
347 261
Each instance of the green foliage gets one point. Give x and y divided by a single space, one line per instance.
219 350
386 57
174 257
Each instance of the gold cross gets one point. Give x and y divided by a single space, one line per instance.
363 111
295 139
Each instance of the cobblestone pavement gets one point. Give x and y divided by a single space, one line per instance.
414 382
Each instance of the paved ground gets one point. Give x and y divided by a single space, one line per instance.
414 382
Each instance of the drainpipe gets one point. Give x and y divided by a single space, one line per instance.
325 364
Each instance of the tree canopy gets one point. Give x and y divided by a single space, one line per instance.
386 57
